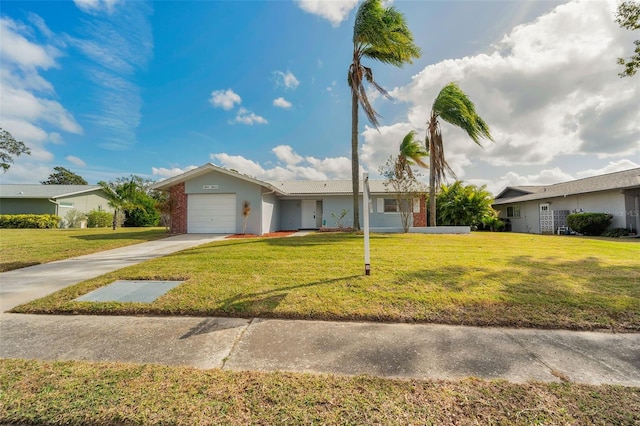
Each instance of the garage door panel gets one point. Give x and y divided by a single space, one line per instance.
211 213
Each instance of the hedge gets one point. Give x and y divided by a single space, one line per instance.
99 219
589 223
39 221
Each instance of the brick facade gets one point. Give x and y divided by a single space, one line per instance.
420 218
178 209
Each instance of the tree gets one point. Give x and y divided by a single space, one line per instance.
9 147
460 204
130 197
246 210
628 16
63 176
453 106
380 34
411 153
405 186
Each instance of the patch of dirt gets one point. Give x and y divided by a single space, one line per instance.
278 234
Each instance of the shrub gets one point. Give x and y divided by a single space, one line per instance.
73 218
99 219
34 221
616 233
589 223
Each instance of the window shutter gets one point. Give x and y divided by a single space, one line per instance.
380 202
416 205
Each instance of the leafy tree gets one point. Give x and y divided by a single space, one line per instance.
460 204
404 184
628 16
9 147
63 176
453 106
380 34
129 196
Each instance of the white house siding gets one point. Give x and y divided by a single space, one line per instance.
270 213
612 202
83 203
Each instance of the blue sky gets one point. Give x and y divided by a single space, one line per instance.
113 88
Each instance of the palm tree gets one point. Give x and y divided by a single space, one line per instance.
380 34
453 106
411 153
120 197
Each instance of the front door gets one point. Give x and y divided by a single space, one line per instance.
546 219
309 214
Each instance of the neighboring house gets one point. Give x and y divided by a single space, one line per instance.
209 200
543 209
51 199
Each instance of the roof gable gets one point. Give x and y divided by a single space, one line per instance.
165 185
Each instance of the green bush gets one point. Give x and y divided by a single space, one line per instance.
73 218
99 219
616 233
589 223
34 221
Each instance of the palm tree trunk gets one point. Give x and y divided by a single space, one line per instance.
355 164
432 179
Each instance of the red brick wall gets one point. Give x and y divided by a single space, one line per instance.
420 218
178 209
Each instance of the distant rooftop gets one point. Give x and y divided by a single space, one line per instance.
618 180
43 191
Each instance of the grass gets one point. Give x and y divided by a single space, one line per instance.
496 279
78 393
27 247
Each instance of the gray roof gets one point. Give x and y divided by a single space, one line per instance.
324 187
286 188
44 191
619 180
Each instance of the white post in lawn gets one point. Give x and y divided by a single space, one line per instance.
365 217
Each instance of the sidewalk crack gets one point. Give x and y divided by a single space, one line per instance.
236 342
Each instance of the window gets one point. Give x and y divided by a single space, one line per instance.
513 211
65 204
391 205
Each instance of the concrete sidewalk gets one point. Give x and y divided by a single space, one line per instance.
27 284
385 350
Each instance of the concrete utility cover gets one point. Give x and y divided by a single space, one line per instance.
129 291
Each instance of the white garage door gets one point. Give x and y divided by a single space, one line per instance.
211 213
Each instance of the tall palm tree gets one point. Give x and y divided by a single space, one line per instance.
453 106
380 34
411 153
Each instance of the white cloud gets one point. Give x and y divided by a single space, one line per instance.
56 138
164 173
549 88
27 104
291 166
612 167
244 116
93 6
281 103
285 153
225 99
286 79
335 11
75 161
117 45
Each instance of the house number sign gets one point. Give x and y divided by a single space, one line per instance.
209 186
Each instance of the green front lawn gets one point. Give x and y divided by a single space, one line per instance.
500 279
80 393
27 247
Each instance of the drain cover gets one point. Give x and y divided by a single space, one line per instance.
129 291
